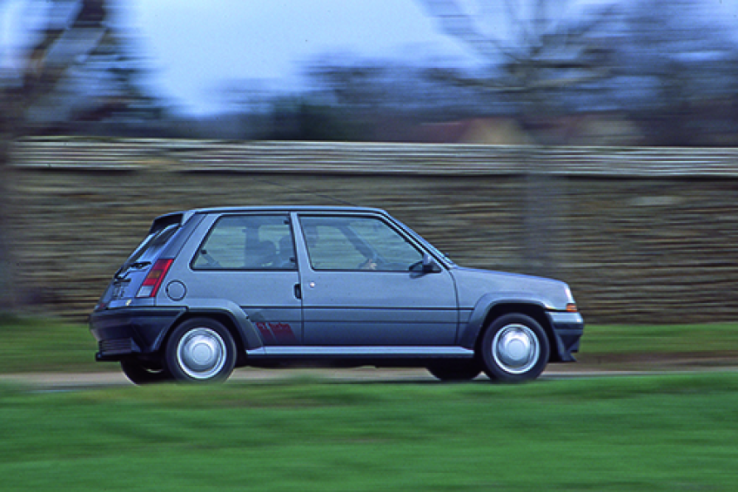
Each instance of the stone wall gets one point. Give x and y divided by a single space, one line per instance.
641 235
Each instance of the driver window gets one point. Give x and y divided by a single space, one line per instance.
356 243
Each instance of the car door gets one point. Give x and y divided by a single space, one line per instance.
358 288
249 259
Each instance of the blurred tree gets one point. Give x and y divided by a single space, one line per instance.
347 97
101 90
353 84
68 36
385 99
244 96
675 59
116 71
533 49
669 65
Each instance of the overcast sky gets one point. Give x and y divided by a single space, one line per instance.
197 46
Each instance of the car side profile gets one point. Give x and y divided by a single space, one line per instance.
209 290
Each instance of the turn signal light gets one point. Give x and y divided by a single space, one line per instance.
153 280
571 308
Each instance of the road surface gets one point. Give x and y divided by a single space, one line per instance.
59 381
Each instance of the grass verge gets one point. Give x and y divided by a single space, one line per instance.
654 433
46 345
640 339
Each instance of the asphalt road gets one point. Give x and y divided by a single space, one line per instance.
72 381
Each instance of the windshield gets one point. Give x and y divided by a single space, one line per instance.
433 250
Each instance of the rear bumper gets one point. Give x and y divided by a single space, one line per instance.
124 332
567 330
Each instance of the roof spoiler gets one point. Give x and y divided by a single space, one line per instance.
163 221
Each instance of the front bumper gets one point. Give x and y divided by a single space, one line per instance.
567 330
124 332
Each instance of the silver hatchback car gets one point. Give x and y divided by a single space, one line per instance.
213 289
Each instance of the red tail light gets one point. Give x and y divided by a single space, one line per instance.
153 280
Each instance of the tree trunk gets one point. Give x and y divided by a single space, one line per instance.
7 266
39 77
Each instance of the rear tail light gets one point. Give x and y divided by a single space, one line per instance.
153 280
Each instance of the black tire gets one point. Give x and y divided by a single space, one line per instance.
200 350
455 370
141 373
514 349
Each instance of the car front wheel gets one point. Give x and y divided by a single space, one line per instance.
200 350
514 349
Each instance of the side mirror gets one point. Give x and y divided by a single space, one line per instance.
429 264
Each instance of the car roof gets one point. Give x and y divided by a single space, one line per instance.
287 208
184 215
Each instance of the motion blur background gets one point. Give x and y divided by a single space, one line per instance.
587 140
554 72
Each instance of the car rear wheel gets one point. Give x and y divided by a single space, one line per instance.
141 373
455 370
514 349
200 350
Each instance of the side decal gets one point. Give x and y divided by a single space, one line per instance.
274 333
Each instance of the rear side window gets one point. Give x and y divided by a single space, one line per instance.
248 242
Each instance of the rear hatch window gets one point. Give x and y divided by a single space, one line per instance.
131 275
150 247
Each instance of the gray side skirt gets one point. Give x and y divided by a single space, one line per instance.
359 351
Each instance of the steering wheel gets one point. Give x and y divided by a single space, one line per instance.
370 264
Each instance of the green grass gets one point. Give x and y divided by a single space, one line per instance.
655 433
640 339
44 345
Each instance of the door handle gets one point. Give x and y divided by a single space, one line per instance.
298 291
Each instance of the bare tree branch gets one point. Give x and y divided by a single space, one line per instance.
542 52
455 22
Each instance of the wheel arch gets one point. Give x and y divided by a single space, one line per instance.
487 310
235 320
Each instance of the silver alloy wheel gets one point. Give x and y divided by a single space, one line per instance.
516 348
201 353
